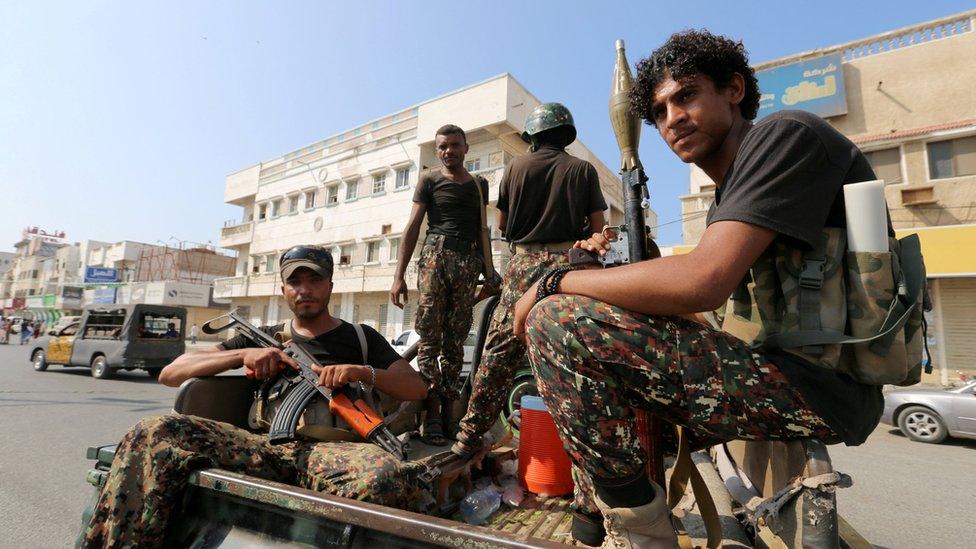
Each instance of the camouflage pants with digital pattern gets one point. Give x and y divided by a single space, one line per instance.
447 281
595 363
154 461
503 354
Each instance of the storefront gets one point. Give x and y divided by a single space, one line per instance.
950 263
41 308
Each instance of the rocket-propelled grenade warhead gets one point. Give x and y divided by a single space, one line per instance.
626 126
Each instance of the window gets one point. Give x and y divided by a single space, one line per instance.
255 265
394 248
381 323
293 203
310 197
275 208
952 158
160 326
886 164
345 255
373 251
386 229
332 194
473 165
379 183
269 263
355 313
402 178
407 316
104 324
262 212
352 189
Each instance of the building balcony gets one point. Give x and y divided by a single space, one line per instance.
236 235
242 186
232 286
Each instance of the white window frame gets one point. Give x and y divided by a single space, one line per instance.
329 189
294 202
275 209
473 165
379 178
311 195
373 252
269 263
346 251
263 211
394 249
352 190
402 182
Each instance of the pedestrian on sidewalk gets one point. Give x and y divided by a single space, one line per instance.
193 333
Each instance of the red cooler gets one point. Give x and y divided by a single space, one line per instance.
544 466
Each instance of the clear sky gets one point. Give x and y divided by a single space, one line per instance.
120 120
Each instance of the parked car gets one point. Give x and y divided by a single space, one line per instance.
930 414
115 337
407 338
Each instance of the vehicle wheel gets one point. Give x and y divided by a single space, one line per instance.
922 424
39 360
524 385
99 368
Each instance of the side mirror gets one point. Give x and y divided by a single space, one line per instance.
52 333
393 342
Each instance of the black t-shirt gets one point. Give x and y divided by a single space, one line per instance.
548 196
452 208
788 176
337 346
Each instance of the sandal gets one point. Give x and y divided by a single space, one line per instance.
433 432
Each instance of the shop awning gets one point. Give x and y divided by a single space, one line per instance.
949 250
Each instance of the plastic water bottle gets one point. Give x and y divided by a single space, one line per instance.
479 505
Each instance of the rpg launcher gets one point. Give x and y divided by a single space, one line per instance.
629 243
345 402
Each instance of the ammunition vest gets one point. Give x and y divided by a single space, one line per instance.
317 422
861 313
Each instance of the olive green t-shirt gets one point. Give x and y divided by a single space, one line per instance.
453 208
548 196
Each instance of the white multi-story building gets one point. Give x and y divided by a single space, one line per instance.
353 193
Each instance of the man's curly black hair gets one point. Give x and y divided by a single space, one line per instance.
693 52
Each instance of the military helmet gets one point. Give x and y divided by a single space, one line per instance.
546 117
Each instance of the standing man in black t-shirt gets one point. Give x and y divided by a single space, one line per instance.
609 341
155 459
547 199
447 273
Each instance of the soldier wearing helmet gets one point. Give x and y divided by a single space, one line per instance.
547 199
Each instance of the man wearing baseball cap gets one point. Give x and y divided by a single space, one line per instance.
155 459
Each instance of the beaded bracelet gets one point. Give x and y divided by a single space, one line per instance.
549 283
372 380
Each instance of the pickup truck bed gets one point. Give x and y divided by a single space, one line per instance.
225 509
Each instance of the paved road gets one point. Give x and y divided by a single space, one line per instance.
48 420
905 494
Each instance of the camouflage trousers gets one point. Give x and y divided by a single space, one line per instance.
447 281
596 363
154 461
504 354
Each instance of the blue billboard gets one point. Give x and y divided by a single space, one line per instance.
815 85
101 274
104 295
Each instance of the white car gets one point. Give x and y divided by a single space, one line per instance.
407 338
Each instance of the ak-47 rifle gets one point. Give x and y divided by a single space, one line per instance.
630 242
345 402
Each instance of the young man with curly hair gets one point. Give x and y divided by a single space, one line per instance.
605 342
